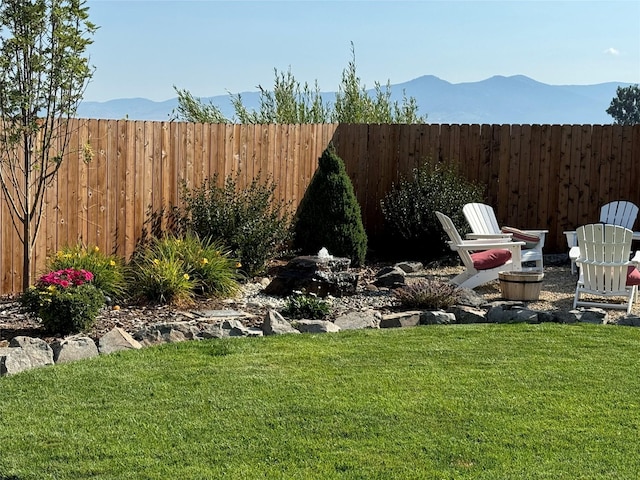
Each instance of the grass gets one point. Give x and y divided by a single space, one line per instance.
467 401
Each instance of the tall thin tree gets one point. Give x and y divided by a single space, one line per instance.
43 75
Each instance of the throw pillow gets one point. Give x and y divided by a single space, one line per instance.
490 258
530 239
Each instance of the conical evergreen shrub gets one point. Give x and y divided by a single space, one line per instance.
329 214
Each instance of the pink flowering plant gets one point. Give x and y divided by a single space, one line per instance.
107 270
69 277
66 300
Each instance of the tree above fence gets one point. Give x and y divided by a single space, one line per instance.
293 103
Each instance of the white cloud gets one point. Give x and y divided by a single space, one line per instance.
612 51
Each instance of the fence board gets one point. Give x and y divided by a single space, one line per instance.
565 179
541 146
537 189
586 178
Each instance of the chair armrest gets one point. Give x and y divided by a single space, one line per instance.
486 245
636 258
496 237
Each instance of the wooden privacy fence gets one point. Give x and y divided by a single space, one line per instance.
542 176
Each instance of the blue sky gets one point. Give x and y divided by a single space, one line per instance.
210 47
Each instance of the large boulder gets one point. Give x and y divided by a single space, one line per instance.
116 340
275 324
313 274
24 353
73 349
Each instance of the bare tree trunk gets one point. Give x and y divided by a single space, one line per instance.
26 222
26 257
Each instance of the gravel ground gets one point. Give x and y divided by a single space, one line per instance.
557 293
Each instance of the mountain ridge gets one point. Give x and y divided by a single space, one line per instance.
516 99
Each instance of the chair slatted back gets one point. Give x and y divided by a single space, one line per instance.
455 238
619 213
481 218
604 250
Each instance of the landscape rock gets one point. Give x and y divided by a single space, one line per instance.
505 313
117 340
593 315
465 314
213 330
236 328
390 277
167 333
470 298
401 319
629 321
316 326
437 317
73 349
410 267
357 320
546 317
275 324
24 353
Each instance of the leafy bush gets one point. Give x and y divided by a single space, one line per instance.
174 270
329 214
255 226
306 306
107 270
428 294
409 208
65 300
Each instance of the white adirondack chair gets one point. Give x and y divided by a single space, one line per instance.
482 259
484 224
605 268
620 212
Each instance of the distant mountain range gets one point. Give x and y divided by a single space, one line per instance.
497 100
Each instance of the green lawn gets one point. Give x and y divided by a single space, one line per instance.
452 402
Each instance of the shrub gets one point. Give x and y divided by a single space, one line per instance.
307 306
329 214
107 270
65 300
174 270
409 209
428 294
250 221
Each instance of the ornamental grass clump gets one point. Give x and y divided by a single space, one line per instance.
428 294
65 300
107 270
211 265
177 270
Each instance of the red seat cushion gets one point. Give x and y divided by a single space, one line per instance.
491 258
530 239
633 276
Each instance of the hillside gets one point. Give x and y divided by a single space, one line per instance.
497 100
